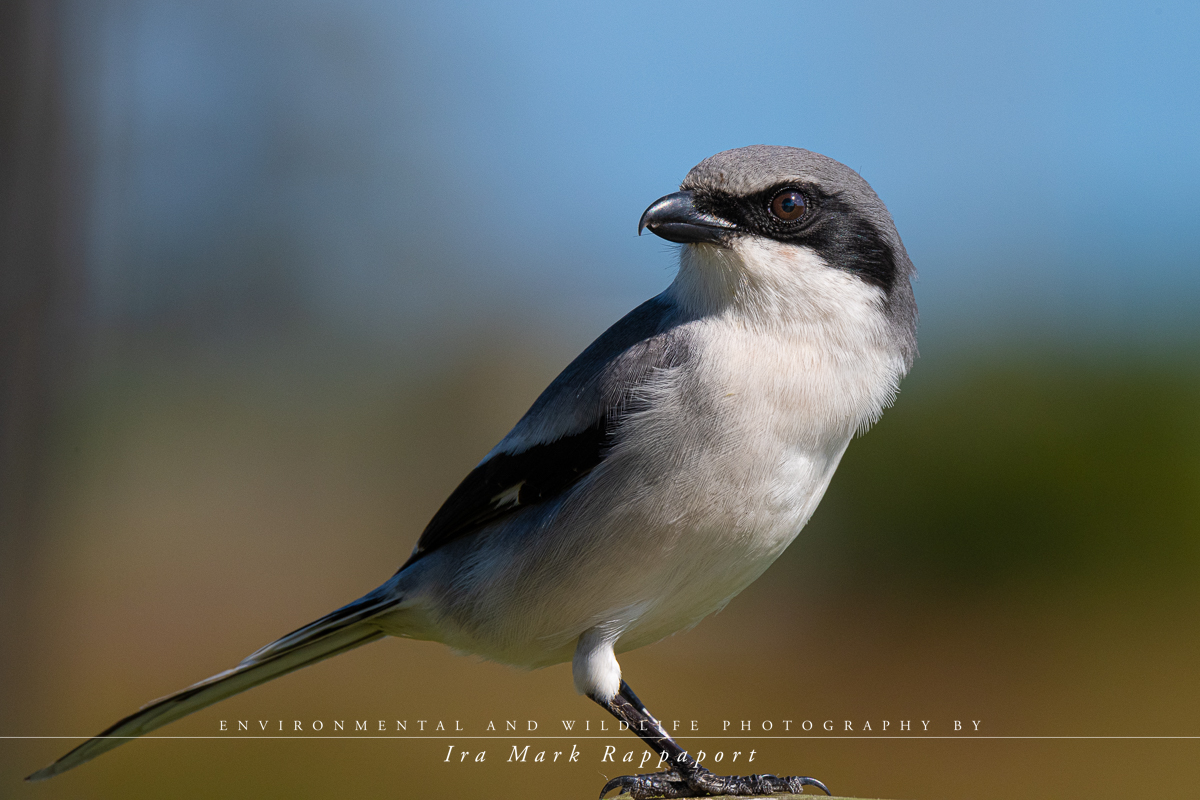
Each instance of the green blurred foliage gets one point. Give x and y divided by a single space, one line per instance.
1023 470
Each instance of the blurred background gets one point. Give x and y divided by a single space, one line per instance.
275 275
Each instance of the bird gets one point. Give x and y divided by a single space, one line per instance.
663 470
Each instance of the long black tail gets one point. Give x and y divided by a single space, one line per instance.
335 633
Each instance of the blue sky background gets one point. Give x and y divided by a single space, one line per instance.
386 169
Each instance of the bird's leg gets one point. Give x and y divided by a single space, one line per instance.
627 708
685 777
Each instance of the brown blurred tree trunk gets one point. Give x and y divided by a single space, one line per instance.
39 276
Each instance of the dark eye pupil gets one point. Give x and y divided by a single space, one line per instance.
788 206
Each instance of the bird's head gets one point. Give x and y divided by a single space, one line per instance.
781 234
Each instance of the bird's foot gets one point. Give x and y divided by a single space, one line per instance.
703 783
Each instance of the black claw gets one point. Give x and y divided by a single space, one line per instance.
608 787
813 782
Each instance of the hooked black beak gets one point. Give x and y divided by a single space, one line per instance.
676 219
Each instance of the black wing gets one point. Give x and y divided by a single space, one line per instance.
567 432
506 482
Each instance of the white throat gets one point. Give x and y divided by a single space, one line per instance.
833 323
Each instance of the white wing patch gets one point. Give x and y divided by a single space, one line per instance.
509 497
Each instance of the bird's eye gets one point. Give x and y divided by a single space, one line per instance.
788 205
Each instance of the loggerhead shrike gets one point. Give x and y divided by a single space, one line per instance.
664 469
